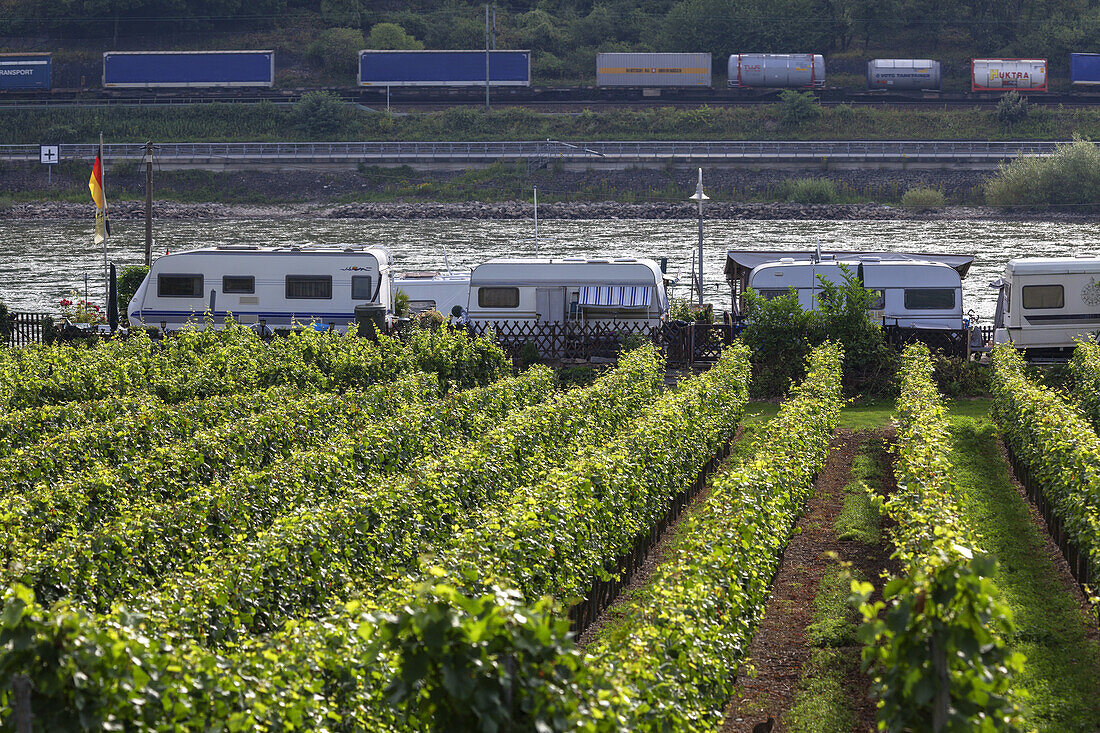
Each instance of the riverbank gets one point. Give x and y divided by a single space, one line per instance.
522 210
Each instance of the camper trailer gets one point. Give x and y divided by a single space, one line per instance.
567 290
273 287
911 287
1047 304
433 291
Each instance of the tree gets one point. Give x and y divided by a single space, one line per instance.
391 36
337 48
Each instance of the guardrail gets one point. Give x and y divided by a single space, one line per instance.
715 151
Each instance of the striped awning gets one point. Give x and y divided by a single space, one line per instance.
616 297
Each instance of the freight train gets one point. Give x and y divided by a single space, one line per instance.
691 74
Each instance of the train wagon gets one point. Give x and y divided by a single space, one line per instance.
653 69
444 68
23 71
777 70
1084 69
152 69
904 74
995 75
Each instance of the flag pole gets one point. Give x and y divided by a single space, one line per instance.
102 169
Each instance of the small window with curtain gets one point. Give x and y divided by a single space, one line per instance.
929 299
360 287
243 284
309 287
1044 296
773 294
179 286
498 297
876 299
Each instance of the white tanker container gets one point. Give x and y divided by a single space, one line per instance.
904 74
782 70
999 74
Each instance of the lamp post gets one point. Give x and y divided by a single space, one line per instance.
700 197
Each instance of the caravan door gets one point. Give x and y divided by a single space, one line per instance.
550 305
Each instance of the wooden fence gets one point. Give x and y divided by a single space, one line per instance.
684 343
27 328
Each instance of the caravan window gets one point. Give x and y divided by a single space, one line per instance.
309 287
773 294
1044 296
876 299
498 297
360 287
929 299
179 286
239 284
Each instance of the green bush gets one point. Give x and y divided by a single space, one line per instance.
781 335
1069 178
391 36
809 191
128 283
319 114
796 108
336 48
1012 108
923 199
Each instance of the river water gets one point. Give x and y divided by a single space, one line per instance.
42 262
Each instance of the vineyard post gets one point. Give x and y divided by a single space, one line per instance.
21 704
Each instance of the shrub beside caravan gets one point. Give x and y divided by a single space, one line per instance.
913 290
1047 304
568 290
278 287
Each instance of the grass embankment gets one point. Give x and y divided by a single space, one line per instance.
267 122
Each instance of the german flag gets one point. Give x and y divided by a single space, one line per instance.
95 185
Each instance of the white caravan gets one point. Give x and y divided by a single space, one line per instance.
278 287
433 291
1047 304
907 293
564 290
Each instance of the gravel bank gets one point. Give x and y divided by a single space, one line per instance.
127 210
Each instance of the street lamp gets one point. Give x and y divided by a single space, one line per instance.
700 197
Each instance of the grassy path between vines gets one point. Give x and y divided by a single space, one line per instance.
1053 628
802 668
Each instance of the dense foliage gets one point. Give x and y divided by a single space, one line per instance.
1056 443
233 360
565 35
781 335
938 654
1069 178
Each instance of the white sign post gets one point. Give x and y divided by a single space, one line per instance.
48 155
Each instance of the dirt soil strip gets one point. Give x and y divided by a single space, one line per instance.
779 649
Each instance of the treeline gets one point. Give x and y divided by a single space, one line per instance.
566 34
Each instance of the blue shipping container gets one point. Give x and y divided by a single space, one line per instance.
1084 68
443 68
188 68
24 71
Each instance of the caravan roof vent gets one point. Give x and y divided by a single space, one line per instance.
237 246
626 259
871 258
786 260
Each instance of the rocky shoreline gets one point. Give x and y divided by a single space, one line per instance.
519 210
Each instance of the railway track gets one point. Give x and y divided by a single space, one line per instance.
562 99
